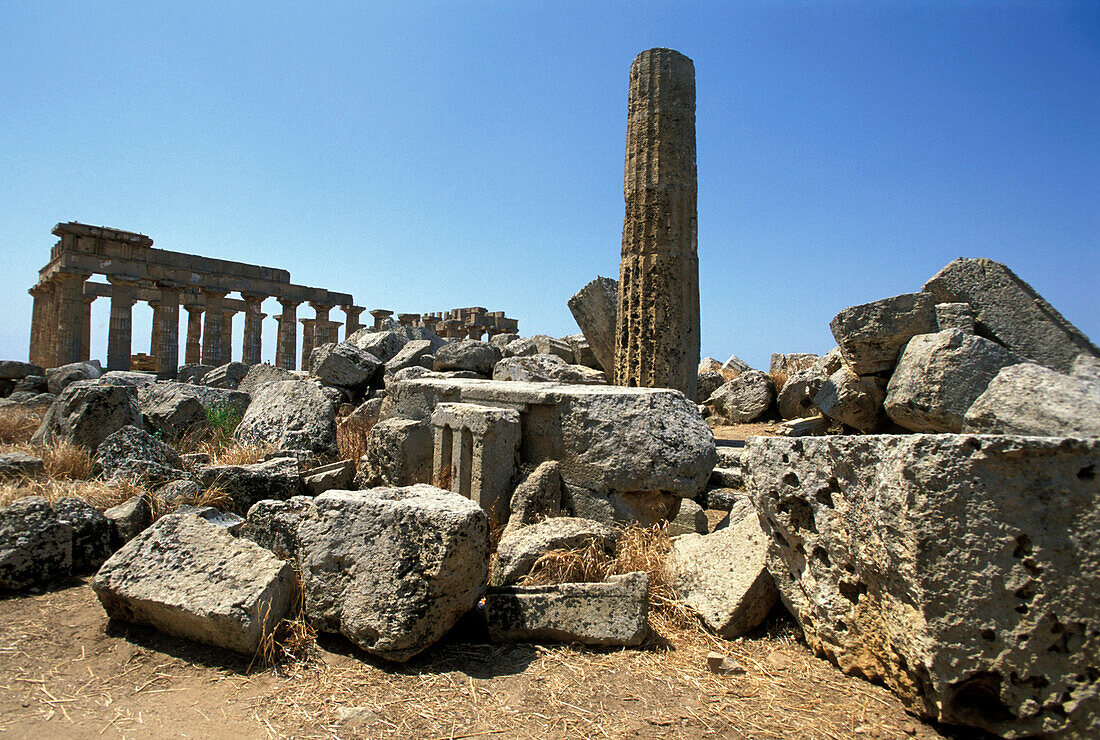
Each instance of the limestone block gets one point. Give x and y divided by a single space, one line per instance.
344 365
290 414
127 520
1010 311
691 519
36 384
582 351
127 377
273 524
258 375
60 378
177 408
955 316
467 354
228 376
547 345
383 345
20 463
614 612
872 335
1086 367
724 576
337 475
128 451
500 341
87 412
409 356
938 377
474 453
520 348
595 308
392 569
855 400
179 491
708 382
193 373
745 398
187 577
246 484
399 453
91 533
733 367
16 370
791 362
226 520
35 546
537 497
796 398
518 552
644 508
1034 400
960 570
545 368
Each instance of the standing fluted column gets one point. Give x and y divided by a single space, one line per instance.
308 337
657 337
166 331
352 325
227 334
43 295
193 350
68 310
120 331
253 329
322 327
86 328
212 329
286 349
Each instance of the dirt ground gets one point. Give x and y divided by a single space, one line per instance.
67 671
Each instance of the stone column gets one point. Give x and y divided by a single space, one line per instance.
165 346
86 328
408 319
68 309
380 315
227 333
40 332
120 331
429 322
212 329
193 351
322 327
657 332
253 328
286 351
308 328
352 325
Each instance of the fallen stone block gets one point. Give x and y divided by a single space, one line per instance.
20 463
290 414
691 519
35 546
595 308
410 355
707 383
227 520
247 484
939 376
60 378
614 612
724 577
871 335
518 552
127 520
1086 367
795 399
91 533
227 376
87 412
392 569
259 375
134 453
467 354
193 372
955 316
960 570
1030 399
16 370
582 351
1010 311
384 345
399 453
273 524
791 363
187 577
745 398
537 497
644 508
855 400
343 365
177 408
337 475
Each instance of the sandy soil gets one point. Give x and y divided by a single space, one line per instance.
67 671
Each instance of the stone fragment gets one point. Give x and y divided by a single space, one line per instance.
36 384
744 399
193 372
537 497
178 491
547 345
960 570
227 520
273 524
955 316
813 426
86 413
399 453
518 552
134 453
691 519
723 665
520 348
187 577
247 484
1030 399
27 401
177 408
790 363
733 367
582 351
853 399
707 383
500 341
872 335
343 365
939 376
1011 312
1086 367
724 577
127 377
410 355
467 354
60 378
392 569
91 533
16 370
327 477
721 477
595 308
383 345
726 456
543 368
795 399
35 546
474 454
258 375
129 519
610 613
831 361
228 376
290 414
644 508
657 332
20 463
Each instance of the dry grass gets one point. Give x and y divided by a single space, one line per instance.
221 449
779 378
351 437
17 425
99 494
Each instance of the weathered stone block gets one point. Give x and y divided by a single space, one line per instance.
544 368
399 453
247 484
745 398
1034 400
290 414
87 413
35 546
518 552
960 570
474 453
595 308
871 335
467 354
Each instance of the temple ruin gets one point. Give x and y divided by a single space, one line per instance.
167 281
657 339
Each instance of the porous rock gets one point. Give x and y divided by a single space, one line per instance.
1034 400
177 408
91 533
273 524
328 477
691 519
290 414
545 368
129 519
60 378
16 370
1086 367
190 578
20 463
247 484
960 570
399 453
87 412
467 354
258 375
613 612
344 365
796 398
228 376
518 551
745 398
871 335
791 362
134 453
855 400
537 497
392 569
35 546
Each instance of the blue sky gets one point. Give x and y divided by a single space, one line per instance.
424 156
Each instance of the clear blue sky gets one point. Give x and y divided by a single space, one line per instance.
424 156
